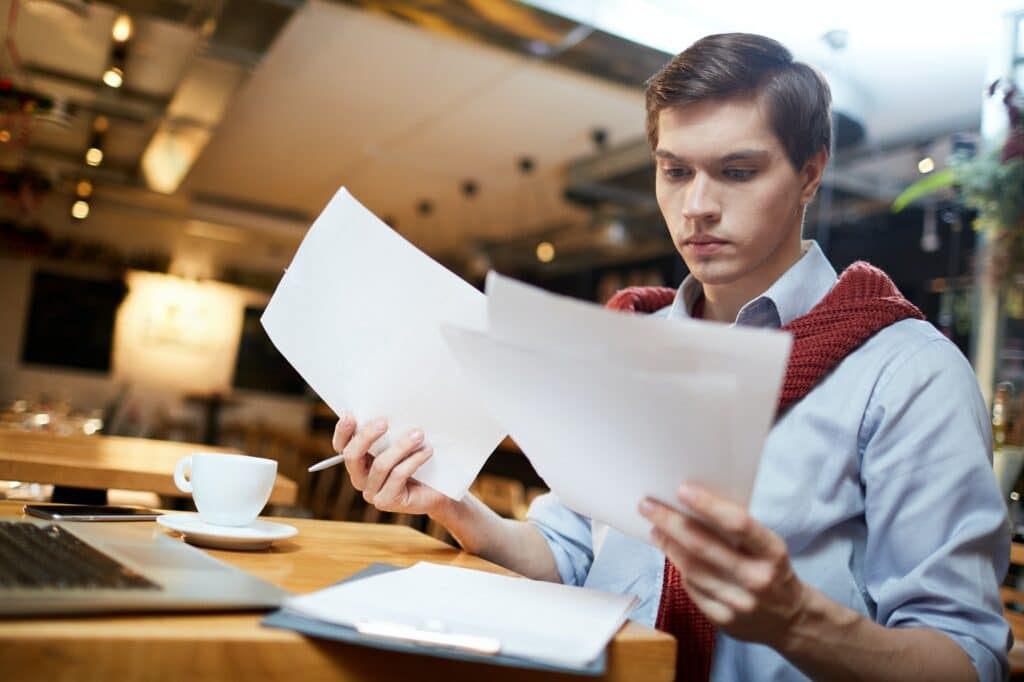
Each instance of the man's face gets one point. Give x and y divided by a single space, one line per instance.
731 199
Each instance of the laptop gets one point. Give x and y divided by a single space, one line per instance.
53 568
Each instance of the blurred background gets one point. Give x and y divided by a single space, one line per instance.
160 160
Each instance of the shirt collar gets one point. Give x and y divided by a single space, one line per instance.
792 295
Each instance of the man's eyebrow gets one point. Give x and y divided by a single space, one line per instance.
745 155
741 155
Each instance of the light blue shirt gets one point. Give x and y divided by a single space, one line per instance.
880 482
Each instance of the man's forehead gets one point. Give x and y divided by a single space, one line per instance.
714 129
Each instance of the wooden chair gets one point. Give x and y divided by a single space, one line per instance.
504 495
1013 608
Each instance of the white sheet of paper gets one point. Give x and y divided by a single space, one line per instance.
357 314
533 619
602 436
531 317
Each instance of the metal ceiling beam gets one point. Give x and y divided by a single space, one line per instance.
124 104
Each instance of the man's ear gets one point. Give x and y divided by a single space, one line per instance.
812 174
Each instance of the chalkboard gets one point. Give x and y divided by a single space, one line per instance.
71 321
259 366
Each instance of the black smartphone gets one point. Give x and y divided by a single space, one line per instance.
90 512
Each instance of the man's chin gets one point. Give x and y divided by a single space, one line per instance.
711 271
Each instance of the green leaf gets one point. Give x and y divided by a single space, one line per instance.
923 187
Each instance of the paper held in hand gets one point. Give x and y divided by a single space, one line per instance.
438 605
611 407
358 314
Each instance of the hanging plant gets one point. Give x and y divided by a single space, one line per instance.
992 184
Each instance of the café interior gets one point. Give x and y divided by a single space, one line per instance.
161 161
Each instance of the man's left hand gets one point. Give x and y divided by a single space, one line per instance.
736 570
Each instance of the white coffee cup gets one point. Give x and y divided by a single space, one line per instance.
229 490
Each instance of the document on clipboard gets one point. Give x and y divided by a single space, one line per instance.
437 607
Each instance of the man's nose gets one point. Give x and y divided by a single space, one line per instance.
701 204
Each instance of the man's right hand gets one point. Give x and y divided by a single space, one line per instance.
385 480
386 483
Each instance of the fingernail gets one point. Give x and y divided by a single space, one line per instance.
379 425
646 507
687 493
416 436
345 419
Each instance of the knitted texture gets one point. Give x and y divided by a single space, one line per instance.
863 301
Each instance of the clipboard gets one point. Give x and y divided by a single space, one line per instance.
424 643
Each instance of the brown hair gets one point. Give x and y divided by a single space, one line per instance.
728 65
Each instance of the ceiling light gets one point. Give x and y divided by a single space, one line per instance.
123 28
926 165
5 136
100 124
83 188
113 77
80 209
94 156
545 252
170 154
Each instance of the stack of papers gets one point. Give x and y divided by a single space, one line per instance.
358 314
473 610
612 407
609 407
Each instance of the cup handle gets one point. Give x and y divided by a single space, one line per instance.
184 485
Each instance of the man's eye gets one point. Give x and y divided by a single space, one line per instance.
676 173
739 173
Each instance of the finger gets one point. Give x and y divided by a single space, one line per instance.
704 577
356 456
716 611
696 538
396 490
343 431
731 521
385 461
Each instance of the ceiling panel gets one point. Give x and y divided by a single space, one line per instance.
307 114
81 46
399 114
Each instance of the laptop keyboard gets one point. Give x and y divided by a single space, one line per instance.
48 556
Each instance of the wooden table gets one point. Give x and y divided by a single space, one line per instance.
103 462
234 646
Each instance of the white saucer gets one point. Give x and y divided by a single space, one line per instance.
257 535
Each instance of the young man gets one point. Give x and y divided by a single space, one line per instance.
876 538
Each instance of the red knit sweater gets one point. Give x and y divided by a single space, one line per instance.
861 303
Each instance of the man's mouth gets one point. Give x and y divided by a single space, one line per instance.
703 245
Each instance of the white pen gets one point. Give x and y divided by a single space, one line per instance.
329 462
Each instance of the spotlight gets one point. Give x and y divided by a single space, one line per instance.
80 209
94 154
83 189
113 77
545 252
5 136
123 28
926 165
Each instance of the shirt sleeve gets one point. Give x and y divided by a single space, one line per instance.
938 537
567 533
